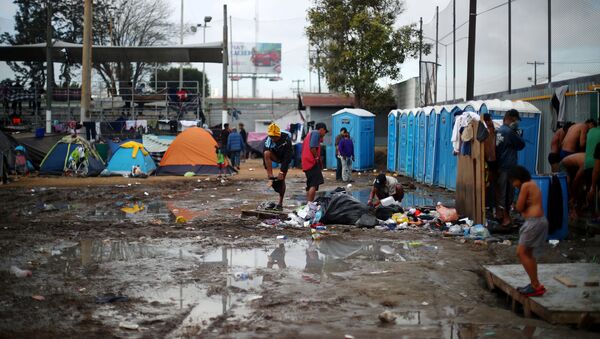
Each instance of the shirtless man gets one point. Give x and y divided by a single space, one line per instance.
556 146
575 138
534 231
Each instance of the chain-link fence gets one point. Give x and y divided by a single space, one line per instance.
574 44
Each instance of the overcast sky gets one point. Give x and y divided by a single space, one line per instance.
575 47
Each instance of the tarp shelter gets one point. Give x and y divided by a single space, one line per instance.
56 161
63 51
192 151
130 154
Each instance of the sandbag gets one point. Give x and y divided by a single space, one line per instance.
343 209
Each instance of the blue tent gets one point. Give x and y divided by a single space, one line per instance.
58 160
130 154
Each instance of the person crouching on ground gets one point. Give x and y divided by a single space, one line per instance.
385 186
278 148
534 231
311 160
346 155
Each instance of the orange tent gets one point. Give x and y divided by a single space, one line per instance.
194 150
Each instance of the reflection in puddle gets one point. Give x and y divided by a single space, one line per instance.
137 212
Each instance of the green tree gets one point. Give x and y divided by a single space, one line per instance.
172 74
358 44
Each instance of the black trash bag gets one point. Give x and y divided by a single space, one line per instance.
343 209
386 212
367 221
555 205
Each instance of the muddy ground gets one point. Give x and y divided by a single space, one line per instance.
218 275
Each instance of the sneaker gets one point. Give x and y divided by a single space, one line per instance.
529 291
524 288
278 208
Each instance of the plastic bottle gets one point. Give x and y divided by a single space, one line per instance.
19 273
321 228
282 237
241 276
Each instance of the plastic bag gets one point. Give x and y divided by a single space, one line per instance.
447 214
367 220
343 209
384 213
479 231
400 218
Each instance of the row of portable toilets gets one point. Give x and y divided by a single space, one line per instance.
420 146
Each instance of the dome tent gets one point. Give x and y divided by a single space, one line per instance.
56 161
192 151
127 155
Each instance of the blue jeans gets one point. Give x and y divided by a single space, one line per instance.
235 158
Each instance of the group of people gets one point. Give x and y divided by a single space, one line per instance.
575 150
233 143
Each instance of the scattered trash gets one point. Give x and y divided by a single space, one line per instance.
463 294
553 242
111 298
189 174
282 237
128 325
387 317
180 220
379 272
348 336
506 242
250 169
38 297
19 273
146 194
241 276
424 303
414 244
239 190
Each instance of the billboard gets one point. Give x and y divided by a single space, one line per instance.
260 58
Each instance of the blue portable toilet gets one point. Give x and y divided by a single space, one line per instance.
392 148
530 124
410 143
402 139
361 126
421 145
433 145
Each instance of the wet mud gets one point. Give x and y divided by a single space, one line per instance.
114 260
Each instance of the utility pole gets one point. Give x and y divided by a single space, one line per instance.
454 50
225 64
86 62
509 45
471 49
421 101
298 85
319 69
181 43
437 56
231 58
535 65
207 19
549 43
49 66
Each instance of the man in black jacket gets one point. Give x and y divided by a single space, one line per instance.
278 148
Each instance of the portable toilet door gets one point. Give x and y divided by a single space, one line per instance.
402 140
392 138
361 126
410 144
432 146
421 148
452 159
445 146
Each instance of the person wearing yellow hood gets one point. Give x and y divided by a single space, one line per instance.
278 148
